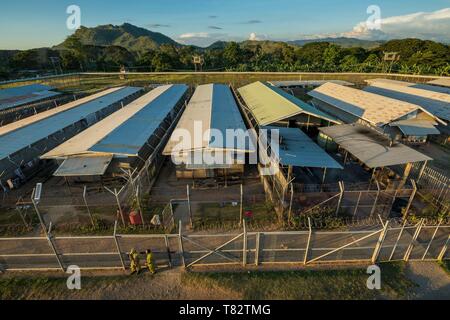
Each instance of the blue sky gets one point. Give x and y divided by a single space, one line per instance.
30 23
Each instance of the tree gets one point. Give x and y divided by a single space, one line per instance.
232 54
25 60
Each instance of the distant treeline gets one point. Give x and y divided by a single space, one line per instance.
416 57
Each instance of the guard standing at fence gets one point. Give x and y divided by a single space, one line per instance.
134 262
150 262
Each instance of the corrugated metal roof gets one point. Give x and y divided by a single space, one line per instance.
444 82
49 113
415 127
372 148
125 131
435 103
297 149
27 135
23 90
26 99
270 104
211 109
410 84
313 83
374 108
83 166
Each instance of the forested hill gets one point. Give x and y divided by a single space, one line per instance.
107 48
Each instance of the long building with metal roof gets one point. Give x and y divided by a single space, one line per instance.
19 96
441 82
208 121
270 105
436 103
423 86
353 105
123 136
289 84
23 142
371 147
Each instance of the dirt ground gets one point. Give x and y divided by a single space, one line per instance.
440 154
433 282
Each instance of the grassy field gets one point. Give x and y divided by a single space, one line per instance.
285 285
307 285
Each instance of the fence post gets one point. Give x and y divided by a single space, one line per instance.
116 241
258 241
119 206
241 213
411 199
244 247
398 239
169 255
305 258
380 241
357 204
422 171
180 241
139 205
53 247
290 205
431 241
189 205
41 220
444 249
341 187
87 207
414 238
376 198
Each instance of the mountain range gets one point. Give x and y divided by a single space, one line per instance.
138 40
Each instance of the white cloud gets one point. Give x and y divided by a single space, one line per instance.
424 25
253 37
205 39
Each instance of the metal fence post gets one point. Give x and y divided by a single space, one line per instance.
374 207
341 187
414 238
169 255
53 247
41 220
398 239
180 241
431 240
244 246
241 213
119 206
116 241
411 199
290 204
379 244
357 203
189 205
258 241
444 250
305 258
87 207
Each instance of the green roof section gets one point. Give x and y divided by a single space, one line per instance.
270 104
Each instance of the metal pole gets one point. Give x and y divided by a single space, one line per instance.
341 187
258 240
431 241
52 245
139 205
290 204
422 170
324 175
169 255
116 240
379 244
87 207
241 213
305 258
244 247
41 220
376 199
189 206
357 204
398 239
180 241
120 207
414 238
411 199
444 249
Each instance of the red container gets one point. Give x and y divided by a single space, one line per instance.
135 218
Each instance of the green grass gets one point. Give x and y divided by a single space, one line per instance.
308 284
445 265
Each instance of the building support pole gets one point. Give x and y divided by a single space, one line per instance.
422 170
87 206
180 241
258 241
